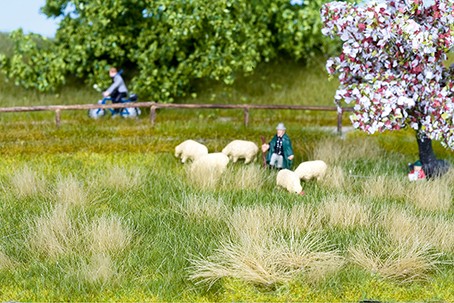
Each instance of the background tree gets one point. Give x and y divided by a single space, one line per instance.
391 68
164 45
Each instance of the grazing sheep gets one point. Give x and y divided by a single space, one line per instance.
290 181
191 150
210 163
238 149
311 169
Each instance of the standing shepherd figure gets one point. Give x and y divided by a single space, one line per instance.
280 151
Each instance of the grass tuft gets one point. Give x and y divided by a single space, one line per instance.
435 195
303 218
243 177
53 233
335 178
252 223
268 260
99 270
387 187
345 211
335 151
405 263
27 183
405 227
203 177
259 250
202 206
5 261
109 235
121 178
70 191
247 221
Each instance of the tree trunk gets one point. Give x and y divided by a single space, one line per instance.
430 164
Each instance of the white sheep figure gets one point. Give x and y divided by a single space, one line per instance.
191 150
311 169
290 181
239 149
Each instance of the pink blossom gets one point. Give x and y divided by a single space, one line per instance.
391 64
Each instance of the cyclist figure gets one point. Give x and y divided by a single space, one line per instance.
117 90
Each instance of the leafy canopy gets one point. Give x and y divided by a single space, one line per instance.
391 64
164 45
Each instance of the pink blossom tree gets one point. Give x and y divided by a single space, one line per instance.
391 68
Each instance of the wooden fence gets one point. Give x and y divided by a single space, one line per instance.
154 106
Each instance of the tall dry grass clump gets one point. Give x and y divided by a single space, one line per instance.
121 178
303 218
335 151
26 183
345 211
251 222
449 177
387 187
108 235
267 246
403 263
203 177
270 260
248 221
99 270
329 151
70 191
335 178
433 195
311 255
403 227
5 261
53 233
244 177
201 206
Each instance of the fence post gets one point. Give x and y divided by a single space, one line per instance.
152 114
57 117
339 120
246 116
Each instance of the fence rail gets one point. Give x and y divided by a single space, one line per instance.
154 106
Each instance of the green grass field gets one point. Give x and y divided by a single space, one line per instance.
101 210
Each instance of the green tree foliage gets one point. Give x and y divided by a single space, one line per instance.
163 45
